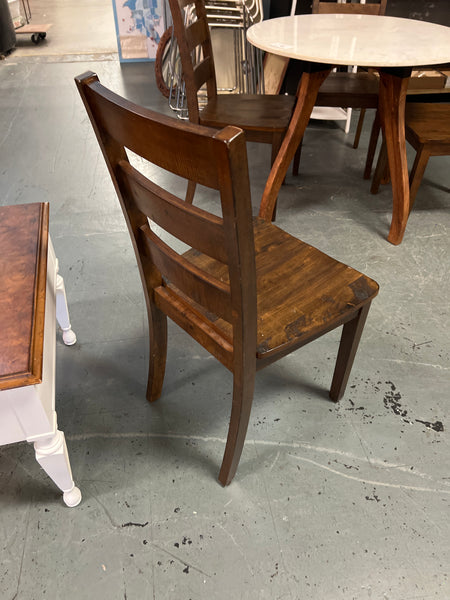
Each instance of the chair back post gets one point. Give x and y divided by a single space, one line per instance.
355 8
194 43
237 213
215 159
112 151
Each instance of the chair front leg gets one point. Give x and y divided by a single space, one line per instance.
351 335
243 389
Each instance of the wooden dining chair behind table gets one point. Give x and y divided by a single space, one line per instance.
264 118
245 290
349 89
427 129
378 7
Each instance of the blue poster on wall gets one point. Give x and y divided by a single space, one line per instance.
139 26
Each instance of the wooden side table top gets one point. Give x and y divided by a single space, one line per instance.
23 276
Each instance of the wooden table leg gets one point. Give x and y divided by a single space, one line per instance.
306 99
393 86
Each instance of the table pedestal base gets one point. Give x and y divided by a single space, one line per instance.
393 86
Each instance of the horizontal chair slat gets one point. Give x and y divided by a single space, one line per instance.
202 72
212 294
196 34
193 226
200 328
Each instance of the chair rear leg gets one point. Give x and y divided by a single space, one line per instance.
380 169
359 127
158 352
374 134
296 161
351 334
417 172
190 192
243 389
277 140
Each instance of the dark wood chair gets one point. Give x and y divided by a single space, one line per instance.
427 129
264 118
347 89
350 7
245 290
422 93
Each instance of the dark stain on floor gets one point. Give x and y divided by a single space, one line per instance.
437 425
392 399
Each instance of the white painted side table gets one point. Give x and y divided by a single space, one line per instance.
32 297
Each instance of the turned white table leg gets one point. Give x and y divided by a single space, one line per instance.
51 454
62 311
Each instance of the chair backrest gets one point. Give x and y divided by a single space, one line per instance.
378 7
193 36
215 159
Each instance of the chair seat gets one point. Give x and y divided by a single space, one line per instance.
299 288
428 122
250 112
349 90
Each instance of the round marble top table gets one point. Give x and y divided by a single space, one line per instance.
364 40
391 45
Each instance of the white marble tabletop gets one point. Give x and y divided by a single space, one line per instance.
365 40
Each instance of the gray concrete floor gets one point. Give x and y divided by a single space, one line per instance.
80 27
330 502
